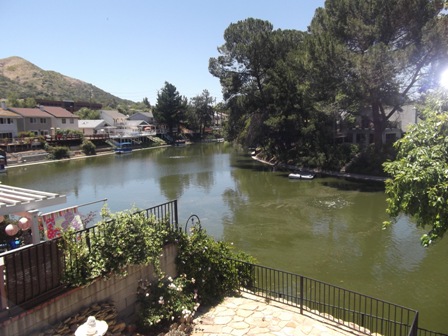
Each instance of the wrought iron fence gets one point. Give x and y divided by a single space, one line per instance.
356 311
167 211
33 274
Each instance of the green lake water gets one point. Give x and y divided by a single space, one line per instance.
328 229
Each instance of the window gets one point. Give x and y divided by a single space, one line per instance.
43 120
64 121
33 120
72 120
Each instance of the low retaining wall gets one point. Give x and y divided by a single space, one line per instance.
119 290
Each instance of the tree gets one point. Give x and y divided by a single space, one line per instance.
30 102
242 67
146 102
13 100
375 52
203 110
418 186
264 82
85 113
170 107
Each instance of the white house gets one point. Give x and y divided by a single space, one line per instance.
113 118
145 116
92 127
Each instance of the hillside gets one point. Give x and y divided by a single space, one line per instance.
23 79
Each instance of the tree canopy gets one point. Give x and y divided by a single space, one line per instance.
374 53
418 186
170 107
202 111
88 114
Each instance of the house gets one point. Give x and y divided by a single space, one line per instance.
113 118
70 105
145 116
396 126
92 127
8 124
404 118
33 120
61 118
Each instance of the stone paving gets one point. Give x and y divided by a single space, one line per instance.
251 315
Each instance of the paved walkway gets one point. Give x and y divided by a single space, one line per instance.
251 315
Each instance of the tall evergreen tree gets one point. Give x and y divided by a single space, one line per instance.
242 67
371 54
202 107
170 107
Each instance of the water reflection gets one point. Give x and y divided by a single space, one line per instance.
326 228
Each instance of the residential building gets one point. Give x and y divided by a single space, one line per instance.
145 116
8 124
363 131
113 118
70 105
61 118
33 120
92 127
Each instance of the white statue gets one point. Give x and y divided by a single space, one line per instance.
92 327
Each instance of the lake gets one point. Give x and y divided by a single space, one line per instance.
326 228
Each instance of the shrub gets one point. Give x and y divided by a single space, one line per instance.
210 263
165 301
119 239
57 152
208 270
88 147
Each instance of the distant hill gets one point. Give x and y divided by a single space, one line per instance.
26 80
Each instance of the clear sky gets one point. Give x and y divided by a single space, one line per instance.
130 48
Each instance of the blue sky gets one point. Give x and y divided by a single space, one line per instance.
130 48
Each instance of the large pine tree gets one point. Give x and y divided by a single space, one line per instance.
375 52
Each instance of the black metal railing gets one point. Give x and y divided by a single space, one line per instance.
166 211
424 332
33 274
356 311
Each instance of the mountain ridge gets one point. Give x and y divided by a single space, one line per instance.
22 79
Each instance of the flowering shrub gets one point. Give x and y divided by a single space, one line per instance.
210 263
165 301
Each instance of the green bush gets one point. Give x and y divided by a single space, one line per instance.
120 239
57 152
210 263
165 301
88 147
207 267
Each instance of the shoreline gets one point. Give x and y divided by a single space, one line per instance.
75 157
358 177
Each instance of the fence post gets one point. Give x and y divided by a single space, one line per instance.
414 327
301 295
35 234
175 214
3 298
